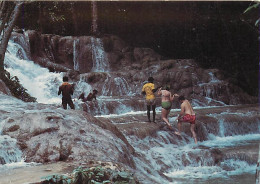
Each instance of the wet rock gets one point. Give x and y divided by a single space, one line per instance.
12 128
47 134
4 89
217 155
67 54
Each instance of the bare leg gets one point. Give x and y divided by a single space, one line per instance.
64 104
154 113
179 128
192 127
148 112
165 118
71 104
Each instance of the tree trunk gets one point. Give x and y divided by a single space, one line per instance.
7 33
74 18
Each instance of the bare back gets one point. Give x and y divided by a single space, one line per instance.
166 96
187 108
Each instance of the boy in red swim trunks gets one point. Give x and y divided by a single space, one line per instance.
186 115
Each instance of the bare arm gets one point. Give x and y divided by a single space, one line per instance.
171 97
182 110
159 91
154 90
174 95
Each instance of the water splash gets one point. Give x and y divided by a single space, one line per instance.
99 56
39 82
9 152
75 54
117 86
213 78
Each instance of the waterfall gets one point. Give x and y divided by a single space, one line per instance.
75 54
116 86
213 79
39 82
221 128
99 57
9 151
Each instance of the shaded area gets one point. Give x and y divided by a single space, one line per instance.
217 34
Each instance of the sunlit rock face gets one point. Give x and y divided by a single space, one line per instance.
45 133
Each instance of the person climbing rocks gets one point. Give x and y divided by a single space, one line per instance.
148 90
90 96
66 89
167 99
186 115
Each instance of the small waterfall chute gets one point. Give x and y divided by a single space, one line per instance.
39 82
99 56
75 54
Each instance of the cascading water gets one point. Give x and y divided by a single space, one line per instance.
222 158
39 82
99 57
75 54
100 61
116 86
9 151
10 154
164 157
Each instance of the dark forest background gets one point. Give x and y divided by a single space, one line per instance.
216 34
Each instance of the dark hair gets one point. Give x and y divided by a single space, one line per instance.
96 91
150 79
181 98
65 79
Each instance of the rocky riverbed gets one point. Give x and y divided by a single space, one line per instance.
46 133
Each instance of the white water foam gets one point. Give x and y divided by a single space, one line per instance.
229 141
99 56
206 172
39 82
75 54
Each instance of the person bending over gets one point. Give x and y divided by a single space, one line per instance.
186 115
90 96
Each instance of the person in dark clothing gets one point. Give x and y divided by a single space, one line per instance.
90 97
67 90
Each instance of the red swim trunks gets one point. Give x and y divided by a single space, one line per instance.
189 118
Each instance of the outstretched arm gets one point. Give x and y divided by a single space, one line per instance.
173 96
154 90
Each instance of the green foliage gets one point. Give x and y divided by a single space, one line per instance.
55 12
17 90
59 179
96 175
251 8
